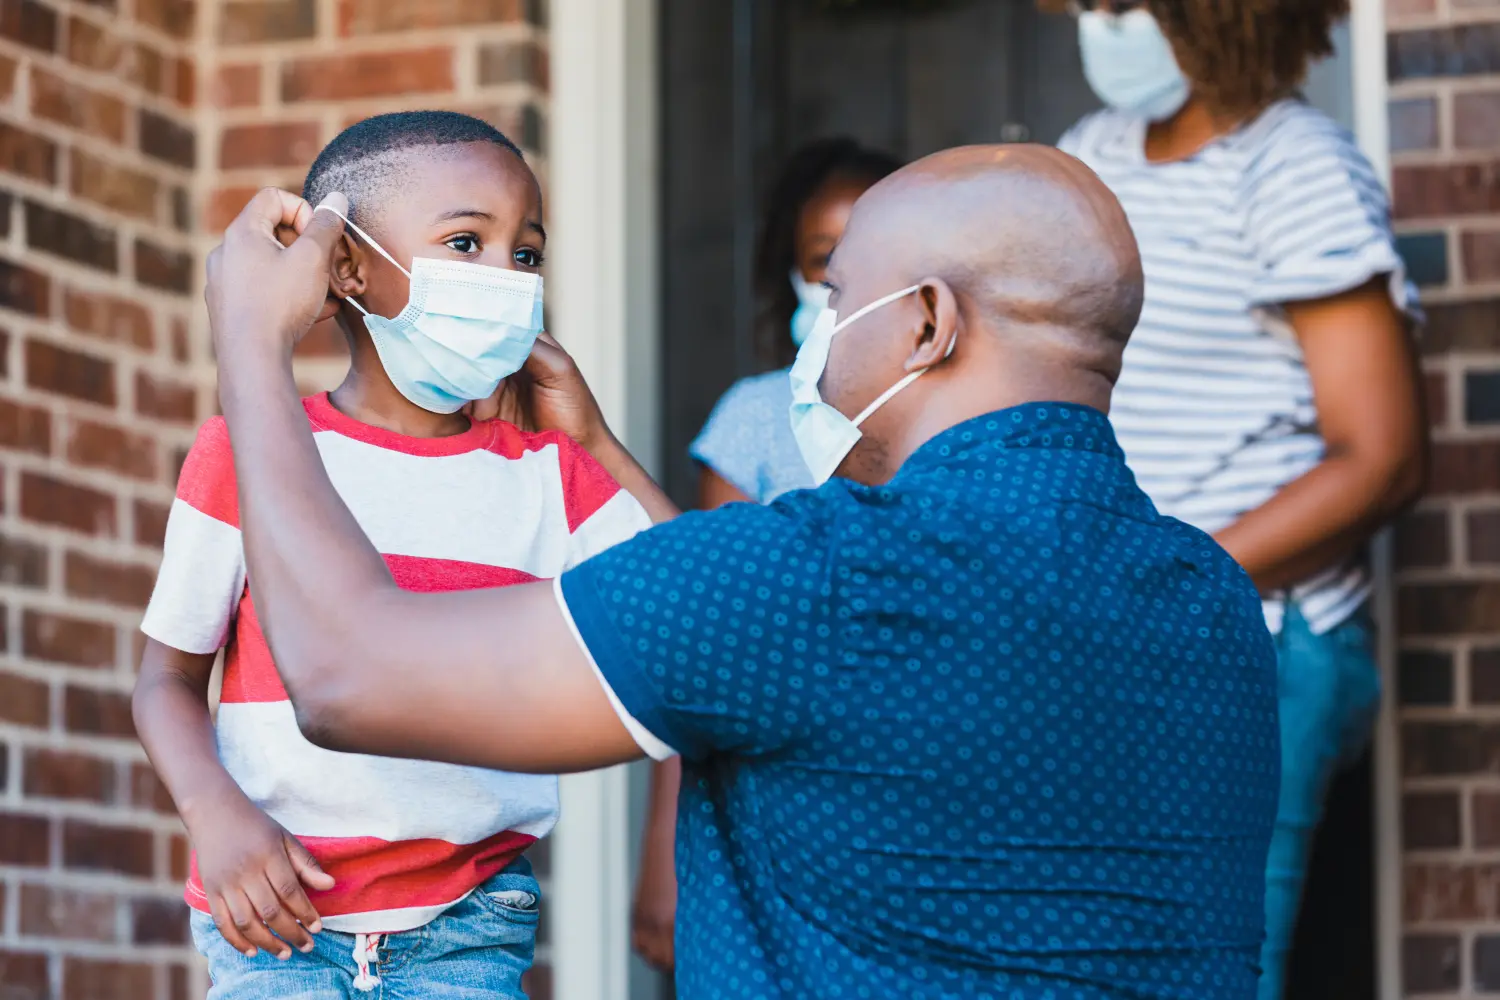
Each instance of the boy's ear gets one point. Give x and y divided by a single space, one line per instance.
346 276
346 270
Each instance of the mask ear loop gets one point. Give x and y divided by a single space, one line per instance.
375 246
885 397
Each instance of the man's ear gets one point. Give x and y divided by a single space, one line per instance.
346 275
934 337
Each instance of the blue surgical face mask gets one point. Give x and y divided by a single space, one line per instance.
1130 65
465 329
824 435
812 299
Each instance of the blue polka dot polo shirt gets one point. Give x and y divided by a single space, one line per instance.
994 729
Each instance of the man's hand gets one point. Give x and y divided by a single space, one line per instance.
264 295
253 872
548 394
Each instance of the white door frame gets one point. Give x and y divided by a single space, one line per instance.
603 282
1367 37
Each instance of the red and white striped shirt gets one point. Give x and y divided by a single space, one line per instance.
491 507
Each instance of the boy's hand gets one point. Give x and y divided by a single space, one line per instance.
253 872
548 394
268 280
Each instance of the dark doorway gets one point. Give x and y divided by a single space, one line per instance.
747 81
1333 954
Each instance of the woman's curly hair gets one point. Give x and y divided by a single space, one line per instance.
1244 54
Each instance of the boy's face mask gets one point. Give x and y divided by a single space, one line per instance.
465 329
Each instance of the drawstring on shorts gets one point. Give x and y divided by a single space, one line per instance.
366 953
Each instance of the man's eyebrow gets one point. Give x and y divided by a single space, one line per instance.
537 228
463 213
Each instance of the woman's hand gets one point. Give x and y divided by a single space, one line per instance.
548 394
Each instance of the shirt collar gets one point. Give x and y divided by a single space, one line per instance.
1046 426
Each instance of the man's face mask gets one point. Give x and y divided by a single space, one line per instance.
1129 63
824 435
465 329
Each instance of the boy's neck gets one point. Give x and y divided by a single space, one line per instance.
368 396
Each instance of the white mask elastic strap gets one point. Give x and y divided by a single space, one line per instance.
885 301
375 246
885 397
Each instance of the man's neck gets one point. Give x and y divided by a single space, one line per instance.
948 405
367 395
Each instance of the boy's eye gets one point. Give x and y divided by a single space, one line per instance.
466 244
527 257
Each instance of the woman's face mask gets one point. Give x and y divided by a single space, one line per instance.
1130 65
465 329
812 299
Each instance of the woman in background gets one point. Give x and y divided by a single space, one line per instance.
1269 394
746 450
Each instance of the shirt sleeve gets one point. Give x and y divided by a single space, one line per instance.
202 575
734 437
600 514
713 632
1319 220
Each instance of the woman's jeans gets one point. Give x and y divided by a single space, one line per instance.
1329 698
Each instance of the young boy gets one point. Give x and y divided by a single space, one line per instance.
325 875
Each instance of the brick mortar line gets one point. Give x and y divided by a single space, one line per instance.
86 878
114 815
328 43
301 112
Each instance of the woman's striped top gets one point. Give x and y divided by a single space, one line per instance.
1214 407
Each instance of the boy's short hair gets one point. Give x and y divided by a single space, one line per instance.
359 160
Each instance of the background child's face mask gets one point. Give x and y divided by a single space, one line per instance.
465 329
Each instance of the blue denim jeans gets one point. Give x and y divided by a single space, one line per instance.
476 950
1329 698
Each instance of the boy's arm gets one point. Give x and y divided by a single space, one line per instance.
252 870
249 866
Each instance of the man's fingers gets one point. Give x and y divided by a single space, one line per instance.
224 921
306 867
269 210
325 226
265 909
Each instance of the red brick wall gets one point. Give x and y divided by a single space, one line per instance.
1445 137
130 131
98 398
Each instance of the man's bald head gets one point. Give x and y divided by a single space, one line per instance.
1029 274
1028 235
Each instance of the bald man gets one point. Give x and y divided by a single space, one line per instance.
969 720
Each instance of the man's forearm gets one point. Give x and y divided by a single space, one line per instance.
311 564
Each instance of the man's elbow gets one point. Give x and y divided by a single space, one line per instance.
325 701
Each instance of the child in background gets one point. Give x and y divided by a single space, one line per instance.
324 875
